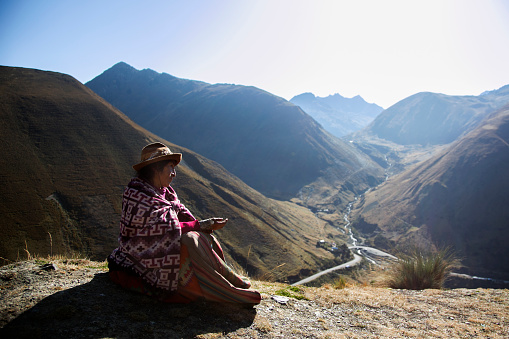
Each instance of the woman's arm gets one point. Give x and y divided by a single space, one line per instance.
207 225
187 226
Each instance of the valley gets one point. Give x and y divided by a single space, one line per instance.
421 203
428 171
370 254
405 157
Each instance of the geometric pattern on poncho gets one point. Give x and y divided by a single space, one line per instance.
149 240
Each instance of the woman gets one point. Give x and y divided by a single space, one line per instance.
163 250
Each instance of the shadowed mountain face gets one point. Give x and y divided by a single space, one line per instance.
459 197
271 144
338 115
430 118
67 155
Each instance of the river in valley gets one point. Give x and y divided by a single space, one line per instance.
374 255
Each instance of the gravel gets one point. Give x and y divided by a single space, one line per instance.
74 298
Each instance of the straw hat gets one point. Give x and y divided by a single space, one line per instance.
156 152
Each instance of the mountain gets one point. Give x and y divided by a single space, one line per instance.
66 156
338 115
431 118
457 198
268 142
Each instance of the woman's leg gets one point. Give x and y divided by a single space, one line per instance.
219 251
215 245
203 249
214 275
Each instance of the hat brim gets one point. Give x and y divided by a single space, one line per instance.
177 157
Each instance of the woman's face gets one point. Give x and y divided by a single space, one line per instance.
167 174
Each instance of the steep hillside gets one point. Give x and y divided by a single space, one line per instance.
269 143
431 118
338 115
458 198
66 156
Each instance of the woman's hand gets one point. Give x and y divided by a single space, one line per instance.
212 224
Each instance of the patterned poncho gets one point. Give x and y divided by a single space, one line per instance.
150 229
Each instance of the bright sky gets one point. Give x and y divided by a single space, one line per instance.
383 51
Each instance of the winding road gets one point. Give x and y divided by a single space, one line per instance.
373 251
357 259
364 251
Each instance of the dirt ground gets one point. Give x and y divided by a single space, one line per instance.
77 300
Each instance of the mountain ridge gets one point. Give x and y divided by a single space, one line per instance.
63 195
338 115
268 142
433 118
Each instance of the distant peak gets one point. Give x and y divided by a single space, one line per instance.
115 70
336 95
125 67
304 96
501 90
122 65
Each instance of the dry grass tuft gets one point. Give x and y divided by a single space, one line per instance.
340 283
262 324
421 270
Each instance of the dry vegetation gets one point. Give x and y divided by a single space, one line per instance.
78 301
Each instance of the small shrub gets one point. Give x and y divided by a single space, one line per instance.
422 270
340 283
292 292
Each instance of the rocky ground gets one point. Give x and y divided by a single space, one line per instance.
73 298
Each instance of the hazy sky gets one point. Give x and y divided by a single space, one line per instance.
381 50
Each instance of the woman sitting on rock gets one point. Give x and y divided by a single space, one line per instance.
163 250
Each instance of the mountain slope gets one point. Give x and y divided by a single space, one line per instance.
66 156
458 198
431 118
338 115
269 143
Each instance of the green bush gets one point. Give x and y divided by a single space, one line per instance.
421 270
292 292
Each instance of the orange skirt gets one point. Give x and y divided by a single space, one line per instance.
203 275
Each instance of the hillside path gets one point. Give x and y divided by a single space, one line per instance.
364 251
357 259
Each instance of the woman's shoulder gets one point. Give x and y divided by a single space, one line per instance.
143 187
170 194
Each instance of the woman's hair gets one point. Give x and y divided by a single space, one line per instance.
148 172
